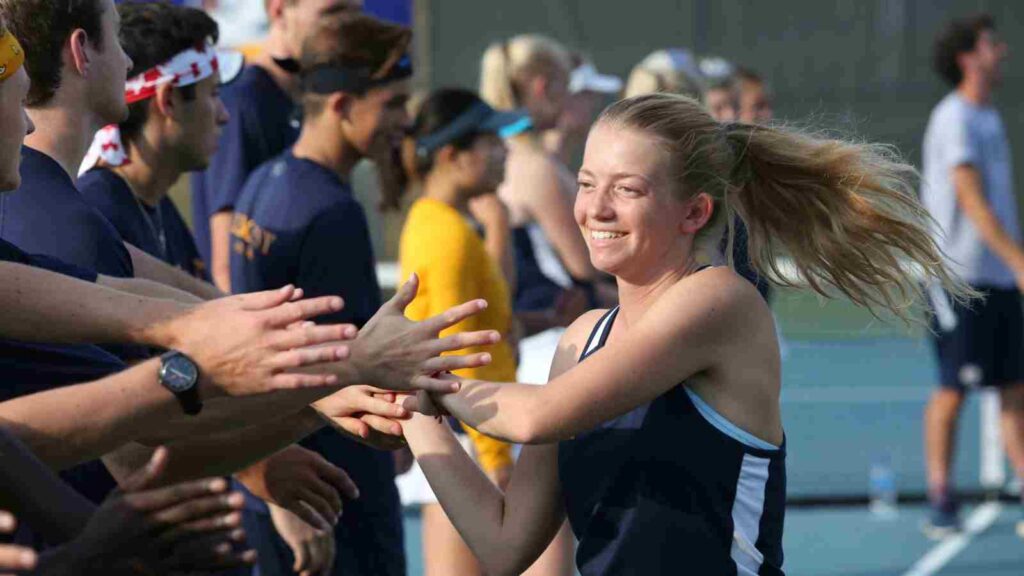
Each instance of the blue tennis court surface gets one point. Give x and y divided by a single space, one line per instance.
847 405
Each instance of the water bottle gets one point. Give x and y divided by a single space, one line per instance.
882 490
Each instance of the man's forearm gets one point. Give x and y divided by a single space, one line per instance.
156 270
38 307
74 424
220 249
149 289
228 452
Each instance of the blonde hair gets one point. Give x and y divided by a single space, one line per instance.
506 65
665 71
845 213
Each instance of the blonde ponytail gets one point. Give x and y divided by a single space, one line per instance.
496 83
507 64
844 213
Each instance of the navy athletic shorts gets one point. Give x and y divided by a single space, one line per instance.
980 344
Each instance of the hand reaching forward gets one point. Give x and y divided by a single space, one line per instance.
395 353
313 548
255 343
302 482
182 527
367 414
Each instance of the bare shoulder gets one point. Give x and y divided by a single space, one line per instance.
717 296
537 169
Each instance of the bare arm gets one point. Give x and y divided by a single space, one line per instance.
506 531
220 249
219 454
37 309
157 270
607 385
132 404
53 424
148 289
492 213
550 205
971 197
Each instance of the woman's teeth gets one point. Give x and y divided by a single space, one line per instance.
603 235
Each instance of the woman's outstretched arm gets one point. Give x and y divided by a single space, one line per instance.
506 531
721 317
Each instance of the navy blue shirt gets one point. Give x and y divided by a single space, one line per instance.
47 215
159 231
27 368
297 222
263 124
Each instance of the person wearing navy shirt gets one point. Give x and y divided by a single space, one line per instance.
296 220
158 229
47 215
264 123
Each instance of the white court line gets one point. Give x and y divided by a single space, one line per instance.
979 521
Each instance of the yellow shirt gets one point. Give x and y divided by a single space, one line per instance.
441 246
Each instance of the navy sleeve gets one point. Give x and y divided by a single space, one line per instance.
337 259
11 253
96 246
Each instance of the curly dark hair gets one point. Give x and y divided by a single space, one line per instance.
152 33
42 27
959 36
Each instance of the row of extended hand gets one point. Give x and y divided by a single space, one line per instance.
263 342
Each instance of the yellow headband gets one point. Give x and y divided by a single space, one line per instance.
11 55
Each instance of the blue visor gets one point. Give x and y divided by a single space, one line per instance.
481 118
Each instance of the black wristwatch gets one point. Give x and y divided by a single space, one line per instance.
180 375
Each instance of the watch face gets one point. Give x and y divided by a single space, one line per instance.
179 374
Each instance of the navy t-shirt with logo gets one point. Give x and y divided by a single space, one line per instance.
263 124
159 231
297 222
27 368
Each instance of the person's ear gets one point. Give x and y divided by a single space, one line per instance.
341 105
163 100
445 155
697 212
77 52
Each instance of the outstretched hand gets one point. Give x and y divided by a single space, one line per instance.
255 343
367 414
303 482
395 353
313 548
182 527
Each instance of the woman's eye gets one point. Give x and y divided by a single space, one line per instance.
627 190
584 184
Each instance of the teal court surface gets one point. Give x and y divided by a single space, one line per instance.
853 399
